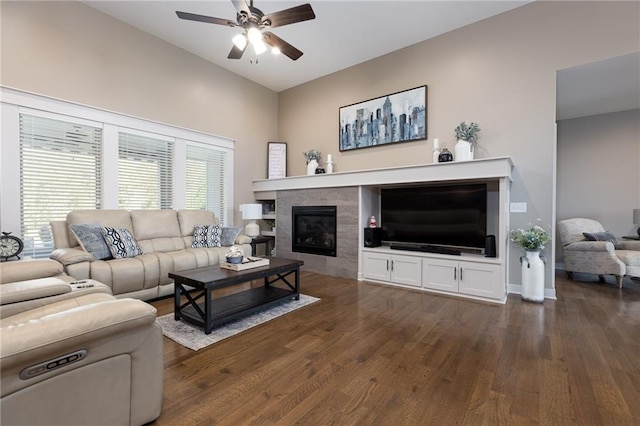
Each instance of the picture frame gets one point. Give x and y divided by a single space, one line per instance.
397 117
276 160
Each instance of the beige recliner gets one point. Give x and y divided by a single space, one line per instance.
596 257
77 357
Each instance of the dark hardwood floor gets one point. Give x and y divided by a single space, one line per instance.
371 354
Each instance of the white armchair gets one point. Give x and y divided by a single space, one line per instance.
596 257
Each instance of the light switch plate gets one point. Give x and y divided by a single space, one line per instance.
518 207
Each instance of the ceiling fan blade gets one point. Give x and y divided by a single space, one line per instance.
241 6
290 16
236 53
207 19
274 41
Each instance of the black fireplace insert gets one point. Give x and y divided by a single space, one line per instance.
314 230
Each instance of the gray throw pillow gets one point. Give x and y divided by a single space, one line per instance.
603 236
90 237
229 235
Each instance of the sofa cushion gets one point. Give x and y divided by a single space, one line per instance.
206 236
91 239
188 220
121 243
229 235
149 224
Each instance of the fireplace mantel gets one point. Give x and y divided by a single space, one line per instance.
486 168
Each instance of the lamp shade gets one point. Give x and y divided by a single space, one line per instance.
636 216
251 211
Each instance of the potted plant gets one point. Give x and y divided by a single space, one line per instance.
313 158
532 240
467 135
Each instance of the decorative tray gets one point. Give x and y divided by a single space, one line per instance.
247 263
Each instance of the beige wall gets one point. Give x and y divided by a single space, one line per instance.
599 169
499 72
70 51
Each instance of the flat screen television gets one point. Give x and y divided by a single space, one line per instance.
452 215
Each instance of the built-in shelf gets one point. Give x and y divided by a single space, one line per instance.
270 216
466 276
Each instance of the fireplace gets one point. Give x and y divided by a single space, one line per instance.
313 230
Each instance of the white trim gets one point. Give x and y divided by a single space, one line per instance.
58 106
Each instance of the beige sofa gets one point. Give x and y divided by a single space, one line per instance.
73 354
164 236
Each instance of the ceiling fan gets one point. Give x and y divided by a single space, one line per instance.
255 25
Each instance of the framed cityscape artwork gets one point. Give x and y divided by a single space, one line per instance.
398 117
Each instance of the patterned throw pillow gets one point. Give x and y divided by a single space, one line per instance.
229 235
121 243
206 236
89 235
603 236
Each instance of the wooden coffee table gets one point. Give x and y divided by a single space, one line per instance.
214 311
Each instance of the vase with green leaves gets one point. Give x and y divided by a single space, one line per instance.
467 135
313 158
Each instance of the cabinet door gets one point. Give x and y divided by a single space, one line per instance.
479 279
406 270
438 274
377 266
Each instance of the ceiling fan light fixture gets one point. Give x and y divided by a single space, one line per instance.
259 47
254 35
240 41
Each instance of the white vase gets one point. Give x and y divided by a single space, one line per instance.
311 167
463 151
532 276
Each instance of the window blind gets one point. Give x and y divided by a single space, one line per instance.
60 170
206 180
145 172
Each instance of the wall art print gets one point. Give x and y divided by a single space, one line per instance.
398 117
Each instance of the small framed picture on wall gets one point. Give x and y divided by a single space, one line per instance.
276 160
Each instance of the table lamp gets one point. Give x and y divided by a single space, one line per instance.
251 212
636 219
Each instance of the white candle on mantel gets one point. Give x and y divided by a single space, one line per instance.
436 143
328 157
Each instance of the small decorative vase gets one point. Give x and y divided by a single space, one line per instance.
463 150
311 167
445 156
532 276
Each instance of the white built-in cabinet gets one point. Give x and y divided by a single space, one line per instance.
467 275
405 270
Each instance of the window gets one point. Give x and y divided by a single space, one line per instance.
70 157
206 179
145 172
60 169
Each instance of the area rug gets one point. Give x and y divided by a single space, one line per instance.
193 337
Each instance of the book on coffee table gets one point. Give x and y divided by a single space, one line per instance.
247 263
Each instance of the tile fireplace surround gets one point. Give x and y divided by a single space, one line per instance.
354 195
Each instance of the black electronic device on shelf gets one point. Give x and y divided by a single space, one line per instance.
426 249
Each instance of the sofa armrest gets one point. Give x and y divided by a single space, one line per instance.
69 256
243 239
96 316
21 291
630 245
603 246
28 270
